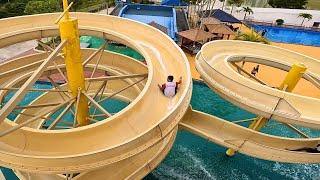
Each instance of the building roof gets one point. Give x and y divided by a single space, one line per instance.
159 26
210 20
196 35
221 16
219 29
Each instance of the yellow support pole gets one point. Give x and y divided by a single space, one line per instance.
69 31
293 77
289 83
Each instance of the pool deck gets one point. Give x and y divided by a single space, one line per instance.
268 74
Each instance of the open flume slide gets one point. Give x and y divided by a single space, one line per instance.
131 143
213 64
128 144
247 141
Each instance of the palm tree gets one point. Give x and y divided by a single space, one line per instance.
223 2
246 10
305 16
235 3
252 36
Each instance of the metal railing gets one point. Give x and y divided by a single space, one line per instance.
269 23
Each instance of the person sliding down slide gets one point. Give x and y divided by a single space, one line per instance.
170 88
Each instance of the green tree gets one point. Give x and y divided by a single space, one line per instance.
3 2
305 16
15 8
246 10
76 4
233 3
3 13
291 4
252 36
280 22
223 2
37 7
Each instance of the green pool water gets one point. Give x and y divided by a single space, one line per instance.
29 97
111 105
193 157
96 43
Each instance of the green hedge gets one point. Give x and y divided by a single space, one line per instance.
23 7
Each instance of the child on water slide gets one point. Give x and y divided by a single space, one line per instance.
170 88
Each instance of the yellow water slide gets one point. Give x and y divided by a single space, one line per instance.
214 63
128 144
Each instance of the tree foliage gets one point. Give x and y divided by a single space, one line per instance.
246 10
21 7
3 13
223 3
45 6
290 4
252 36
305 16
80 4
14 9
237 3
280 22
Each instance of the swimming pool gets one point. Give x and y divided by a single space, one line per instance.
111 105
96 42
193 157
163 15
290 35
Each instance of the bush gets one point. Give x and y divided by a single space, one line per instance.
37 7
3 13
252 36
279 22
22 7
290 4
15 8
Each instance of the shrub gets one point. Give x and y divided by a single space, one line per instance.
37 7
252 36
291 4
279 22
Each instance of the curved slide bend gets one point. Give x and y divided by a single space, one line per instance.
129 144
213 65
247 141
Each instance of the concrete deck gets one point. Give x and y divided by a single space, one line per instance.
16 50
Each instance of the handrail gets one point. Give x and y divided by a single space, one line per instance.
284 25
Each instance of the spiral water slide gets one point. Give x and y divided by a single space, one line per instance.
214 61
130 143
